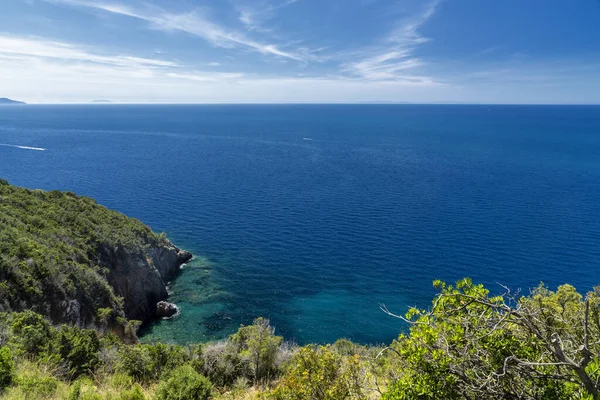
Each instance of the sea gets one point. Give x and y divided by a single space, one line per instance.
314 216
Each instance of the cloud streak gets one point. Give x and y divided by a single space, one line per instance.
206 76
40 70
193 23
254 17
21 48
394 59
67 62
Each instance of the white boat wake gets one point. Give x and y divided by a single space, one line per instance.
23 147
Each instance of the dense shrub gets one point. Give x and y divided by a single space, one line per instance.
31 333
220 363
77 349
165 357
134 361
147 363
7 367
319 373
253 353
184 383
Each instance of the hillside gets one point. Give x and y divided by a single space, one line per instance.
5 101
66 257
73 272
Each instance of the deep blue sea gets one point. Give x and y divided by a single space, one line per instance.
313 215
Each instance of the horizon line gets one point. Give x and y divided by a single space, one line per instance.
366 103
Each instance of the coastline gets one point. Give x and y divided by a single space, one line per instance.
83 265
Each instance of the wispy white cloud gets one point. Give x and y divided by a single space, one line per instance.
19 47
194 23
388 65
394 58
254 16
64 60
206 76
42 70
407 32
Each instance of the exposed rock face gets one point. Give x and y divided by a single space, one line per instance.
140 278
84 264
165 309
167 260
68 311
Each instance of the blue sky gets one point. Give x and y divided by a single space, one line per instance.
475 51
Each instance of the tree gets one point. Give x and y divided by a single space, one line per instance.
259 345
473 345
31 333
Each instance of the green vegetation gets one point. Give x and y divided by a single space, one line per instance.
54 248
7 367
469 344
184 383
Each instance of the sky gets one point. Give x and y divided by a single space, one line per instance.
288 51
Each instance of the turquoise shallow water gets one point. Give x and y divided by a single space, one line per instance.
313 215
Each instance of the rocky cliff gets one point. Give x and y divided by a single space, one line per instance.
77 262
140 277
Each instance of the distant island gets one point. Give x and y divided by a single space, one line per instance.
383 102
5 101
101 101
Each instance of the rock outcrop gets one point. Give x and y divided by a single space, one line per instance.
141 277
83 264
165 309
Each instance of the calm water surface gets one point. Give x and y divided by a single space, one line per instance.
313 215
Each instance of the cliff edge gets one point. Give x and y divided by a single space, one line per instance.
140 277
77 262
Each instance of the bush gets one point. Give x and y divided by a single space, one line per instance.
220 363
134 361
7 367
318 373
146 363
77 349
31 333
184 383
196 352
37 387
135 393
165 358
